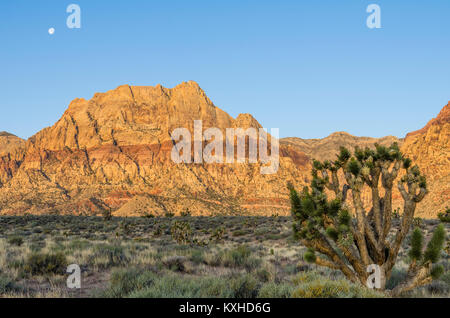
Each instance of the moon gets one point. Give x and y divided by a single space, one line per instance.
51 31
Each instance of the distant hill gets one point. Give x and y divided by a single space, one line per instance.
327 148
9 143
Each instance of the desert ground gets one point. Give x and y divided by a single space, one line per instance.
148 257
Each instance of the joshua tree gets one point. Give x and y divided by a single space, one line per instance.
350 240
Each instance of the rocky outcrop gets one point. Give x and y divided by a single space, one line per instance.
11 155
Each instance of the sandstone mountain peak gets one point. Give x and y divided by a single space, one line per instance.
114 152
246 121
116 148
131 115
340 133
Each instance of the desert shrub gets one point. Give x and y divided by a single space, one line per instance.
7 285
126 281
174 286
141 284
181 232
42 264
241 256
78 245
197 257
218 234
418 222
245 286
236 257
175 263
15 240
213 259
158 231
273 290
185 213
397 276
445 217
264 275
445 278
240 233
438 288
107 214
169 214
106 255
36 247
313 285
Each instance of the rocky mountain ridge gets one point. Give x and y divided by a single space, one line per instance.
113 153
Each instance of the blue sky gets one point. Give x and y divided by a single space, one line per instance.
307 67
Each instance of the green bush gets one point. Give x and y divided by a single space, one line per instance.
126 281
42 264
175 263
245 286
181 232
7 285
218 234
136 283
397 276
418 222
175 286
15 240
114 254
273 290
240 257
197 257
185 213
313 285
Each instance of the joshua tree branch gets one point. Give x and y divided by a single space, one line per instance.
361 228
419 277
323 262
419 197
322 245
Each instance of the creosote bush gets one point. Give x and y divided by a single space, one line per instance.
43 264
15 240
315 286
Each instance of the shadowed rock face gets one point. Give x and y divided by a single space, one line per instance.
113 152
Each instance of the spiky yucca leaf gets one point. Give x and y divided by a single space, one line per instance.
434 248
416 245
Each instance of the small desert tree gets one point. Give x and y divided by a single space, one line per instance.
445 217
348 237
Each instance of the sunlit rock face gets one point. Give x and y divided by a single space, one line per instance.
114 152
